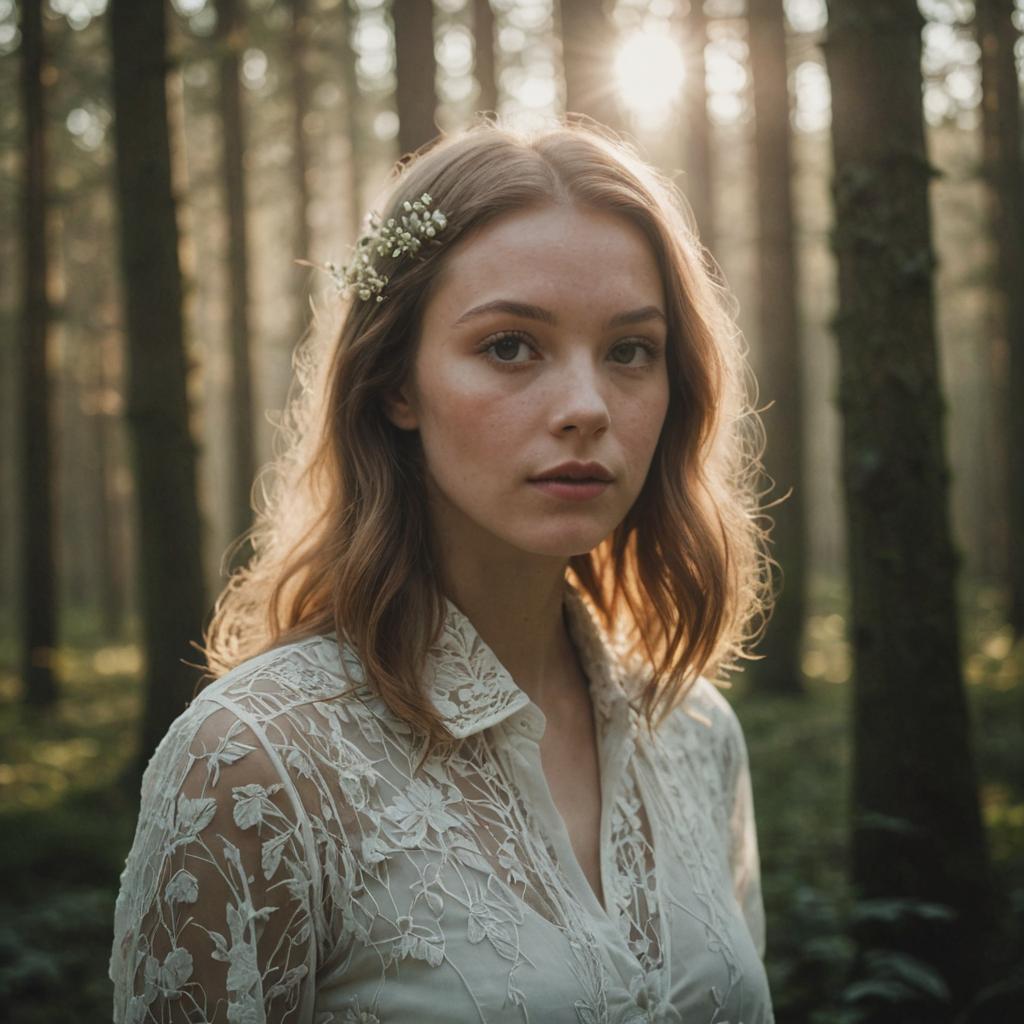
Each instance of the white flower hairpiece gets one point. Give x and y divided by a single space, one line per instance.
416 225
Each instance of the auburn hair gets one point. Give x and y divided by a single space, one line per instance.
342 540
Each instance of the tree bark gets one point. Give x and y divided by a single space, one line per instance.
699 156
917 833
483 56
353 186
38 568
781 375
1004 172
588 56
416 68
164 453
303 243
242 460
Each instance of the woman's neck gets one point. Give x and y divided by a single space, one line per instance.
518 612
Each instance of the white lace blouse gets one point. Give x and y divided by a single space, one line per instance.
292 864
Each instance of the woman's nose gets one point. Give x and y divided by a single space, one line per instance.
578 403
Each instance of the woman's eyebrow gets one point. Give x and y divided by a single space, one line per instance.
637 316
530 312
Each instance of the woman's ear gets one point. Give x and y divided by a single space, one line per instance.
399 409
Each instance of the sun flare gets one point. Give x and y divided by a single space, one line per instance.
649 72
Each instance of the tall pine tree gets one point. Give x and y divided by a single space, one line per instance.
416 70
1004 171
163 450
242 459
917 836
781 366
38 570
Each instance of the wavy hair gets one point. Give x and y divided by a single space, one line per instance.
342 540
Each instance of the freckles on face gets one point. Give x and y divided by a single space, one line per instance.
543 344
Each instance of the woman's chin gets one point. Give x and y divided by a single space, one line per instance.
563 545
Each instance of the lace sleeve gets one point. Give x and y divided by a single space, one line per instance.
743 852
213 922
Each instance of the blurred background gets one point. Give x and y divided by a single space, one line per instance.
275 128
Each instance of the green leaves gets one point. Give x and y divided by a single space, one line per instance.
896 977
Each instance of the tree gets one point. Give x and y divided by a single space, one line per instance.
300 151
353 186
242 459
917 835
483 55
1005 173
164 453
588 52
781 374
38 570
699 156
415 93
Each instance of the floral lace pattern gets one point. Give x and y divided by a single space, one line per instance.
294 861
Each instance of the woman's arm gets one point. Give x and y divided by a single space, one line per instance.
743 852
214 921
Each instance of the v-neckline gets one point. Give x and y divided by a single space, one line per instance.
599 894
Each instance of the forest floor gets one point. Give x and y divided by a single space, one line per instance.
67 819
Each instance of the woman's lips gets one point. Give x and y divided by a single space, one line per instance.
571 490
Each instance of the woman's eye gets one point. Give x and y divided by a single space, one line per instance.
509 348
627 352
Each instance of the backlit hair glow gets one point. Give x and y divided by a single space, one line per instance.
342 538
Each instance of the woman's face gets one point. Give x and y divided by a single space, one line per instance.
542 344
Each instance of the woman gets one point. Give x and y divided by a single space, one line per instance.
463 765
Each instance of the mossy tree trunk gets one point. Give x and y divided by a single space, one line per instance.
917 833
1004 171
416 69
37 568
780 362
163 451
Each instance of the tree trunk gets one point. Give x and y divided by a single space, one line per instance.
416 67
699 156
1005 173
242 459
303 243
102 402
781 375
917 834
353 187
588 57
111 584
483 56
38 570
164 453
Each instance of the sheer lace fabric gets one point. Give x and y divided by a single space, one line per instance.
292 862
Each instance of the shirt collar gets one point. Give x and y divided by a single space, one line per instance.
472 691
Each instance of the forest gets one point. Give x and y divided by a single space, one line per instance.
174 177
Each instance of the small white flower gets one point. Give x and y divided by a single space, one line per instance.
393 239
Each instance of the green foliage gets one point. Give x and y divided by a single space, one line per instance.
800 760
896 977
57 913
891 911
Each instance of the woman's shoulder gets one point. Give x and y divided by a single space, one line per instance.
308 669
263 702
283 679
705 724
